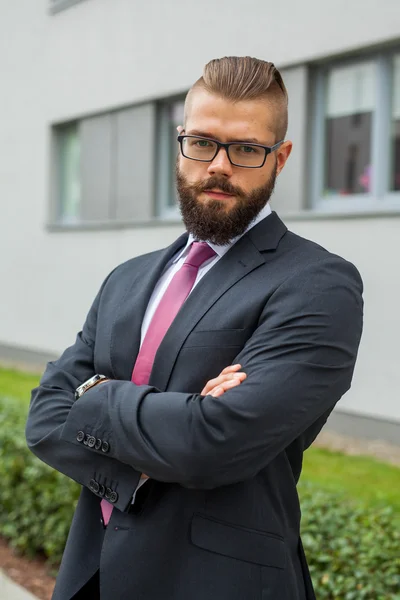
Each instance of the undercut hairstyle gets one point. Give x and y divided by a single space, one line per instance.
238 78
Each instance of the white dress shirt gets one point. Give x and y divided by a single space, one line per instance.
174 265
177 261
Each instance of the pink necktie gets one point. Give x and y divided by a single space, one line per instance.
172 300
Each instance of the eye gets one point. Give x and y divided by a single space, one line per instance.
247 149
202 143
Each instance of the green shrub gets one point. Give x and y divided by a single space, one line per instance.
353 551
36 502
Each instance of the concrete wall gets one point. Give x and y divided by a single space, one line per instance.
99 55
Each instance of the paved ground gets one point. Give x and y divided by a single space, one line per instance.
353 446
11 591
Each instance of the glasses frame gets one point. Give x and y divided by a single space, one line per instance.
267 149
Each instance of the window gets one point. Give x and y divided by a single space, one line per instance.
350 104
356 142
170 115
395 140
69 180
104 168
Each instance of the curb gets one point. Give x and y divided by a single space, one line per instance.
9 590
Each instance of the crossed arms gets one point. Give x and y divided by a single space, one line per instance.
299 362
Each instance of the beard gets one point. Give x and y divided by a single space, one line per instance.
211 221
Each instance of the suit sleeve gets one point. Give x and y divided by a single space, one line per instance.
50 406
299 362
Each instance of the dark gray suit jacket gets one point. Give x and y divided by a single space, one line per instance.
220 519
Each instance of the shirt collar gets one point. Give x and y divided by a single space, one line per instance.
221 250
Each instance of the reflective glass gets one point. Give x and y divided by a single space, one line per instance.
69 173
395 140
350 105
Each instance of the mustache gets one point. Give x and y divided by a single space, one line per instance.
218 183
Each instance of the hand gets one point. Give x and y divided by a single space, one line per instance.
229 378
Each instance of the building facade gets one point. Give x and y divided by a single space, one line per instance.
91 94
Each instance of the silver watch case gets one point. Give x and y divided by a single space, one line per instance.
87 385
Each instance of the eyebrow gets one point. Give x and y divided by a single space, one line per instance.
210 135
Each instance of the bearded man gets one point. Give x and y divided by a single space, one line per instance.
201 375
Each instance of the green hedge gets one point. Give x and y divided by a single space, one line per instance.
36 502
353 551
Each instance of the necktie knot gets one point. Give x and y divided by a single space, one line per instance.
198 254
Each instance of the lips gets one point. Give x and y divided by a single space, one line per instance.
218 194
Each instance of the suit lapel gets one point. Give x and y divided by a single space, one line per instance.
126 329
241 259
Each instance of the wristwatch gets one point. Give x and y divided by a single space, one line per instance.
86 385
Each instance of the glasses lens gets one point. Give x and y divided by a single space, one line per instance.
198 148
246 155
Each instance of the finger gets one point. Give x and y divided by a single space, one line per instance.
213 383
224 387
231 369
230 384
209 386
230 377
218 391
221 379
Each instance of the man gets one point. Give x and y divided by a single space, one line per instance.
190 495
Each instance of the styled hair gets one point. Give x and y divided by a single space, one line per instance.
237 78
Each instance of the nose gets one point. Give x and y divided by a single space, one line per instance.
221 164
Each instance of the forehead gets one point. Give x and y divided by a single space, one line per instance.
225 119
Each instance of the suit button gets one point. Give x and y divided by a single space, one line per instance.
108 493
80 436
98 443
85 441
91 442
102 490
94 486
105 447
113 497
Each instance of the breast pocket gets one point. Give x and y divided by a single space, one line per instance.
204 355
217 338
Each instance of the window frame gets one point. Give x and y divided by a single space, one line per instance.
57 6
164 160
381 198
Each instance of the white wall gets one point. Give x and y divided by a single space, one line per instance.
101 54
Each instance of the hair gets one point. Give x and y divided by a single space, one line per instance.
237 78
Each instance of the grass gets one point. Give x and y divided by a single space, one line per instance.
17 385
362 478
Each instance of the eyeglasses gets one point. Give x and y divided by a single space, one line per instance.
240 154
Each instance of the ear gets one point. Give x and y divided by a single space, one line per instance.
283 154
180 129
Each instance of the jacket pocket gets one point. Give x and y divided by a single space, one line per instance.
217 338
248 545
